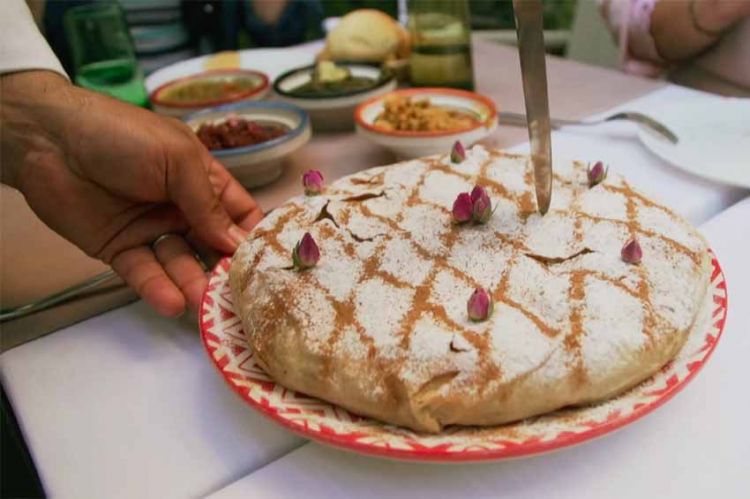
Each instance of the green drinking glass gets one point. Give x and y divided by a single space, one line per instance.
103 53
441 44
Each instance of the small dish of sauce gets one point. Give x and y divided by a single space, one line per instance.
329 80
200 91
207 89
237 132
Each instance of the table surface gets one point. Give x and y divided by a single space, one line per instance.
127 405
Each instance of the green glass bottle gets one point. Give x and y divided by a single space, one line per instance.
441 44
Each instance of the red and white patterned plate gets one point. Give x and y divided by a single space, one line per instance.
225 343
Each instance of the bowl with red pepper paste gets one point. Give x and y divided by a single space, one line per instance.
252 139
237 132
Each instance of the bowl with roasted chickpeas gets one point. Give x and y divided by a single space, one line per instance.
417 122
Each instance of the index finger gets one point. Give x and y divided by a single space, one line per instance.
235 199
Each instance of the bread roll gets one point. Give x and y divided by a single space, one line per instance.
366 35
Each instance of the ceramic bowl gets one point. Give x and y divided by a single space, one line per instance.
163 100
413 144
258 164
332 112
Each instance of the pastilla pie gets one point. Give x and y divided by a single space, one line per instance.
431 292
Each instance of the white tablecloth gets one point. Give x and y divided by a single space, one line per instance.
697 445
128 405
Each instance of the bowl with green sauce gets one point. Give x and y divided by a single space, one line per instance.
330 93
181 97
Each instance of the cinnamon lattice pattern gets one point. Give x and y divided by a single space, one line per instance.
405 209
226 345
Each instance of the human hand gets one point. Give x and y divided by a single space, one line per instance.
112 178
683 29
717 15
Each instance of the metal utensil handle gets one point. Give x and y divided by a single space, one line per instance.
518 119
57 298
646 121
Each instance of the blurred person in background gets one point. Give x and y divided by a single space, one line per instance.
704 44
167 31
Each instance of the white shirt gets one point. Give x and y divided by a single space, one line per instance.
22 46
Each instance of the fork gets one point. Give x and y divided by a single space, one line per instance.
519 119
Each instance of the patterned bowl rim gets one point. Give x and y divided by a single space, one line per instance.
529 447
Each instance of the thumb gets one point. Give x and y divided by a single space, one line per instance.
189 188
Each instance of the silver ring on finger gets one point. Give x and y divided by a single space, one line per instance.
166 236
161 239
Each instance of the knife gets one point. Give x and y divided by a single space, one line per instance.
534 73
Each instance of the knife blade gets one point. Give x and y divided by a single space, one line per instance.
528 15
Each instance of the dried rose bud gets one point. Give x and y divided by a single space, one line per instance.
312 181
597 173
306 253
631 252
479 306
482 209
458 153
463 208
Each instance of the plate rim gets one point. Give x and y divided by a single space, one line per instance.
528 448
